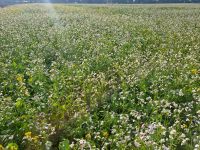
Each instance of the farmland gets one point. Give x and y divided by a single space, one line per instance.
100 77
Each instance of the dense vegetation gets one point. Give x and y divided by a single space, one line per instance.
100 77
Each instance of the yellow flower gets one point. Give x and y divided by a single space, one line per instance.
105 134
35 139
1 147
19 103
184 126
194 71
28 134
12 146
23 117
19 78
88 136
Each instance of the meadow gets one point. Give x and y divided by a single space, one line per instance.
100 77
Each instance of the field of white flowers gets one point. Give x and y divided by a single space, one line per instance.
95 77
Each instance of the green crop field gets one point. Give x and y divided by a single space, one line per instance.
112 77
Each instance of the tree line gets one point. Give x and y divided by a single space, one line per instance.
98 1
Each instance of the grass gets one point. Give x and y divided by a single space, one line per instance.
100 77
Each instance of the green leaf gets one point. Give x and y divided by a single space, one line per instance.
64 145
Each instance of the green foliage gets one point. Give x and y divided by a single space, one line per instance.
64 145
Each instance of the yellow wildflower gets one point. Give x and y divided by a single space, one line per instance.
12 146
23 117
19 78
19 103
35 139
194 71
184 126
28 134
1 147
105 134
88 136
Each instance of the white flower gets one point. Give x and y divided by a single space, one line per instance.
48 145
138 117
82 142
127 138
163 133
183 142
113 131
162 140
137 144
173 132
148 98
165 147
198 112
182 135
180 93
71 145
152 127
